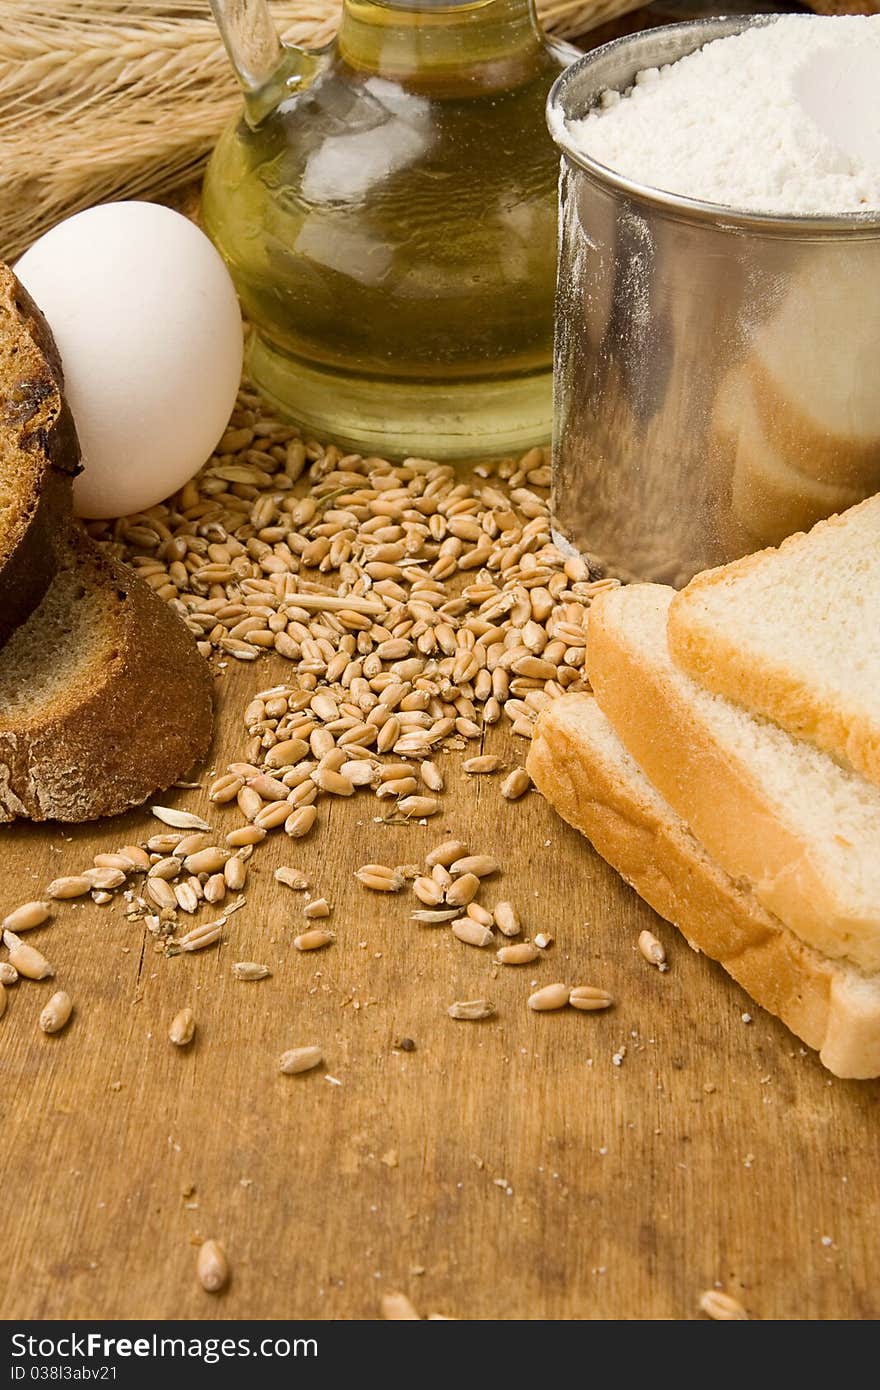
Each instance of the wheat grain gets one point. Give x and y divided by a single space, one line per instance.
300 1059
27 916
105 879
480 914
301 821
56 1013
137 857
235 873
589 998
215 888
163 844
113 861
471 1010
179 820
485 763
722 1307
462 889
183 1028
250 970
314 940
396 1307
446 853
72 886
380 878
652 949
516 784
191 844
431 776
291 878
207 861
480 865
160 892
507 919
188 895
206 934
419 807
318 907
27 960
551 997
212 1266
167 868
471 933
246 835
521 953
428 891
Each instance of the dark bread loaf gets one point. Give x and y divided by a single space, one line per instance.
39 454
104 698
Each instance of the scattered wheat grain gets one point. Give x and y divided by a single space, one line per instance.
56 1013
314 940
26 917
550 997
300 1059
183 1028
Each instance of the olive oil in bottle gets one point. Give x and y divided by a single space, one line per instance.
387 208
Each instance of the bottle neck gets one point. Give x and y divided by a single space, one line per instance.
440 47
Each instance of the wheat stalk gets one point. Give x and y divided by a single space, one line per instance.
125 98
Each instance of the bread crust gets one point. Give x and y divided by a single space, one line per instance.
137 723
718 796
763 686
39 428
658 856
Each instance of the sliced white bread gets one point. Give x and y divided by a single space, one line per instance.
583 769
794 634
769 808
814 369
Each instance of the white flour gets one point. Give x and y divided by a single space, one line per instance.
783 118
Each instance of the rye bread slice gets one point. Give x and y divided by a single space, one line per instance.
39 454
104 698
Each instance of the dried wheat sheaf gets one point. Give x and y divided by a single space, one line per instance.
103 99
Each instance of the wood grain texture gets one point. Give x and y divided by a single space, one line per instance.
505 1169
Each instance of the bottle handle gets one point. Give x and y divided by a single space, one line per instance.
267 69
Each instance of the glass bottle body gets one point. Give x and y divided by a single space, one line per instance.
391 229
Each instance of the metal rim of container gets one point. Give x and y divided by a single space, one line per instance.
562 107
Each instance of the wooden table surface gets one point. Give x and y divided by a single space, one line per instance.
504 1169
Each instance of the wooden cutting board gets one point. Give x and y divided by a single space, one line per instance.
607 1166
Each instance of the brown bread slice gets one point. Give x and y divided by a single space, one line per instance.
104 698
39 454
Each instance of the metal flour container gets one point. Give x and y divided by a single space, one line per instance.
715 371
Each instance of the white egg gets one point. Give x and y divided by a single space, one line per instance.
148 326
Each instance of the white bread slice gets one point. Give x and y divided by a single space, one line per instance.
771 809
583 769
794 634
814 368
